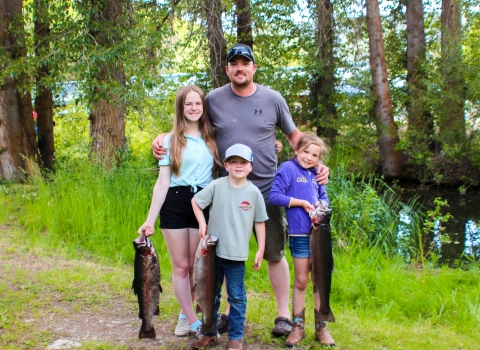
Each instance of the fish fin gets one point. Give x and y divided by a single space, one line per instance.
160 286
140 315
199 309
133 287
147 334
157 311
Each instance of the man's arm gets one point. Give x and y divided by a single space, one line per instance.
294 137
157 146
322 170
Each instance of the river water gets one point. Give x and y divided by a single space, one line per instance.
463 229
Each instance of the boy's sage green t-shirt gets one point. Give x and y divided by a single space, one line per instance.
232 214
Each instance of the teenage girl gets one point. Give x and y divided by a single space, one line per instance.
296 189
186 169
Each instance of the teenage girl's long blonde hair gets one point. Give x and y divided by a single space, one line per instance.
308 139
178 140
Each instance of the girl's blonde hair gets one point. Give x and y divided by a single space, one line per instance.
178 140
308 139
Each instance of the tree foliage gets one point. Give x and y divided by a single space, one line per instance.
159 45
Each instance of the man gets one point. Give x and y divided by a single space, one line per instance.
249 113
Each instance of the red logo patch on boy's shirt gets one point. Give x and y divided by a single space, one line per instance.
245 206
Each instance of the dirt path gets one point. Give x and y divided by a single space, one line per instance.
73 308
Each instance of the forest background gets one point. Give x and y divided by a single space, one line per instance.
392 86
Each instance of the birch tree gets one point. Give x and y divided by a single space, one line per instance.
323 75
391 159
452 118
420 120
212 12
44 96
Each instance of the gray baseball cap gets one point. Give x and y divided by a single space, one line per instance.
239 150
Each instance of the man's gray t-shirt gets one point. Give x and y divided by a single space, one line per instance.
252 121
232 214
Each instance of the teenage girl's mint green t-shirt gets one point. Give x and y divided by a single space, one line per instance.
232 214
197 163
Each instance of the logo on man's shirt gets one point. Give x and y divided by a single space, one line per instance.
245 206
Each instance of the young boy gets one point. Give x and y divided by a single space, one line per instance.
236 205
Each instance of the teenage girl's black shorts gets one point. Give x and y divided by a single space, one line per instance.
177 212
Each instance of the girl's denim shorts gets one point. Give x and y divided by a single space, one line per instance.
299 246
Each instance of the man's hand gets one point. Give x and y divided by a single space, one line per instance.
278 146
157 147
322 174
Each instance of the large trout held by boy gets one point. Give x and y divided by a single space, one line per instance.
321 258
205 281
146 284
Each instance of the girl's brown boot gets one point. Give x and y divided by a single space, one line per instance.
298 329
321 331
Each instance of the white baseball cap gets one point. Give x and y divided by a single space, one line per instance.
239 150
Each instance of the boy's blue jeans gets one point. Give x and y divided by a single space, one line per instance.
234 272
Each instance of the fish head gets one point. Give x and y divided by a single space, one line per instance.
207 244
143 245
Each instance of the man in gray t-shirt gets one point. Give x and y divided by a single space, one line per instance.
251 120
249 113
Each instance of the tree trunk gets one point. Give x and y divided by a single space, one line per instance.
212 10
244 22
420 120
323 85
107 116
44 98
390 158
18 146
452 117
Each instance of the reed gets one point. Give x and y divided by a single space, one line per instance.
366 211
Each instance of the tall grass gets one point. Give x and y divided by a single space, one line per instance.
89 209
369 212
98 211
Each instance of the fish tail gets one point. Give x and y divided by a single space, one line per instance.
147 334
327 316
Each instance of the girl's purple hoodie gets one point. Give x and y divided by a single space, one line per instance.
291 180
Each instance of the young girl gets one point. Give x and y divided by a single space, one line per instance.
296 189
184 170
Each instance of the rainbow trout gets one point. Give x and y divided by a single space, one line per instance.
146 284
321 258
205 281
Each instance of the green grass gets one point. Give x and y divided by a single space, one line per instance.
380 300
